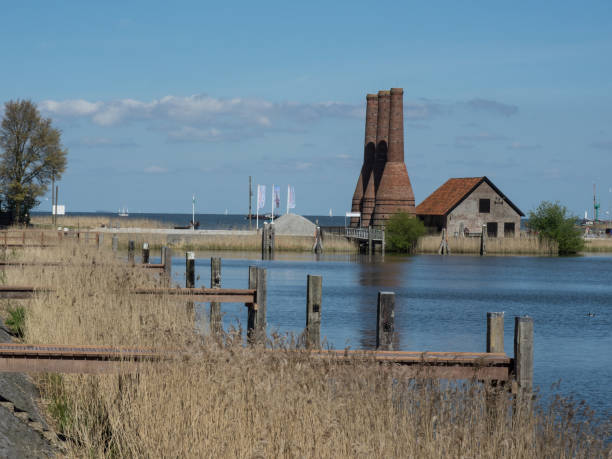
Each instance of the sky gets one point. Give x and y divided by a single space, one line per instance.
157 102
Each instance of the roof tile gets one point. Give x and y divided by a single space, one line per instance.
447 196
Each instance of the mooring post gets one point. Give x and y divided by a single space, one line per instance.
318 247
215 307
145 253
523 353
483 240
384 242
167 262
131 253
313 311
271 235
189 269
115 242
370 240
495 332
264 241
385 321
256 328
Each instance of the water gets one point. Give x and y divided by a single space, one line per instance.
441 305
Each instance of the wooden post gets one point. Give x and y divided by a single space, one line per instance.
256 328
42 239
313 311
189 269
5 239
483 241
131 253
318 247
385 321
384 242
370 240
98 240
167 262
145 253
523 353
215 308
495 332
23 238
115 242
271 234
264 241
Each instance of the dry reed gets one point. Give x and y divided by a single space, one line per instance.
229 400
598 245
524 245
92 222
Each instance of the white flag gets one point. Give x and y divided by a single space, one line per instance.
261 196
291 197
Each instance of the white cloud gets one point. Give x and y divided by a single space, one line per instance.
74 107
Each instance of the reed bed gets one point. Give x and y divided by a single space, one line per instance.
230 400
523 245
92 222
598 245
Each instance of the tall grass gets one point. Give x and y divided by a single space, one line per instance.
524 245
230 400
92 222
598 245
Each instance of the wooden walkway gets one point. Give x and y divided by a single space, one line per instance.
29 358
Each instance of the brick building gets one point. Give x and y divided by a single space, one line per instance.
463 205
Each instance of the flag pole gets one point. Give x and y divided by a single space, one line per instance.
288 193
273 203
193 212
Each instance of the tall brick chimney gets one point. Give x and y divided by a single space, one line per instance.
369 146
394 191
380 157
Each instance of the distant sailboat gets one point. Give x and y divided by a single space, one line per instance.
330 212
123 212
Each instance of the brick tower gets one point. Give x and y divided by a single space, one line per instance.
380 156
394 190
369 147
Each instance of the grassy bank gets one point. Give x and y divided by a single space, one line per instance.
91 222
229 400
524 245
232 242
598 245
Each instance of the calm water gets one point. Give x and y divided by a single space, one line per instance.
441 305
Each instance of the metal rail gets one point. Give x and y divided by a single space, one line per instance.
363 233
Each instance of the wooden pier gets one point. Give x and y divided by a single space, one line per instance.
493 365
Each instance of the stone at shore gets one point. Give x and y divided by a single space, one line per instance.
294 225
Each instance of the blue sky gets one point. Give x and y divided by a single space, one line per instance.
157 102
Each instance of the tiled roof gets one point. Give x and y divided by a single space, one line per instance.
445 198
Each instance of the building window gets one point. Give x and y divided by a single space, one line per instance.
491 229
509 229
484 206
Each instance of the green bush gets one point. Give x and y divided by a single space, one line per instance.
402 232
553 221
16 321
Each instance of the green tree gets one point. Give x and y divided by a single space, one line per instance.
32 155
552 220
403 231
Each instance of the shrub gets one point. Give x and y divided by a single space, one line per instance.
16 321
552 220
403 231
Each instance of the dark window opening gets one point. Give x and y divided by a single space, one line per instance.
492 229
509 229
484 206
